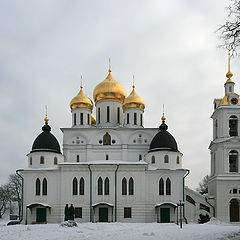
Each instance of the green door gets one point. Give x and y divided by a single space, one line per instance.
41 215
165 215
103 214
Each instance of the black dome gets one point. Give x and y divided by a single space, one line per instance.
163 140
46 141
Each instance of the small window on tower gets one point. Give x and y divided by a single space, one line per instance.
41 160
74 119
135 118
127 118
55 161
178 160
81 118
153 159
30 161
166 159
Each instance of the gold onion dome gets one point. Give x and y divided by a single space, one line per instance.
81 100
133 101
109 89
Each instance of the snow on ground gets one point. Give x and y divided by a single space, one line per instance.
118 231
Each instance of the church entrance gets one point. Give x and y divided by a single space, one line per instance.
41 215
103 214
165 215
234 210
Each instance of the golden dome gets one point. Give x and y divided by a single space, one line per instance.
133 101
109 89
93 120
81 101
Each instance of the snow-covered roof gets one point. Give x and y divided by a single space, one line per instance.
106 162
31 205
39 169
165 203
102 203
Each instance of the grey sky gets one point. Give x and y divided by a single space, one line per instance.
170 47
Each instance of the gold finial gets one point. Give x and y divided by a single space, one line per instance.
109 70
229 73
163 116
133 86
46 118
81 83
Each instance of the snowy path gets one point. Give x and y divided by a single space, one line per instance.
118 231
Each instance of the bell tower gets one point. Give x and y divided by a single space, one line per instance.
224 183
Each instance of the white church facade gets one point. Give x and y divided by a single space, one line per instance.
111 168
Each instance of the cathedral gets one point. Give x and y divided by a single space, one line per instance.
112 169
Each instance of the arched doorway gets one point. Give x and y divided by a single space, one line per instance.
234 210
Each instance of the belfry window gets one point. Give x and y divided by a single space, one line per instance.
178 160
30 161
55 161
75 186
135 118
74 119
161 187
88 119
100 186
141 119
166 159
118 115
81 118
153 159
98 115
106 186
127 118
216 128
41 160
44 187
168 186
108 114
233 126
81 185
124 186
131 186
233 161
37 187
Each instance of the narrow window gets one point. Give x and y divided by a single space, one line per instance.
74 119
118 115
30 161
100 186
37 187
44 187
88 119
135 118
166 159
78 212
230 89
75 186
124 186
41 160
108 114
127 118
98 115
106 186
77 158
140 157
131 186
107 157
55 161
168 186
153 159
234 191
178 160
161 187
233 161
81 189
128 212
81 118
216 128
233 126
141 119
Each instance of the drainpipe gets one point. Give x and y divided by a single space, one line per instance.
21 217
206 199
90 171
116 192
188 171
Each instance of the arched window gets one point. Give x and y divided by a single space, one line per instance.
108 114
131 186
135 118
233 161
81 189
74 119
118 115
233 126
127 118
124 186
141 119
81 118
88 119
75 186
44 187
178 160
100 186
106 186
30 161
161 187
168 186
41 160
37 187
55 161
166 159
107 139
234 210
153 159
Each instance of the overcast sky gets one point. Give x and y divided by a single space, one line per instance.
170 47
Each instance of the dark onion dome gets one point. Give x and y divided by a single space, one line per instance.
46 141
163 140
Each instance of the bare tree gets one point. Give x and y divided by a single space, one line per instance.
230 30
5 198
15 184
203 185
